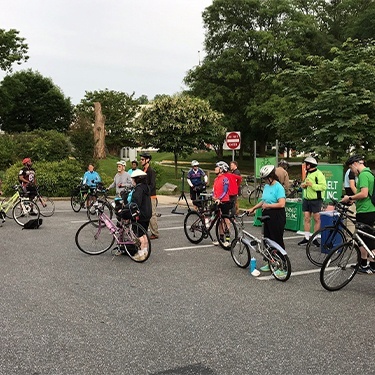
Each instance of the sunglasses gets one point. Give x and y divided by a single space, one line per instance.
143 159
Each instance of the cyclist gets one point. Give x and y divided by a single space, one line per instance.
272 204
235 179
122 180
91 178
313 187
365 209
220 195
282 173
27 178
194 179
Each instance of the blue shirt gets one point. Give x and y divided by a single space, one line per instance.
91 178
272 193
195 176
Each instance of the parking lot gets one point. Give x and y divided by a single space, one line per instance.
187 310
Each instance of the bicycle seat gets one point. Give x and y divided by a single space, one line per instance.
264 218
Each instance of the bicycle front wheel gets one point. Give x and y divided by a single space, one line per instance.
136 242
102 205
25 210
76 202
340 266
240 253
46 206
255 195
279 264
226 231
328 238
8 210
194 227
94 238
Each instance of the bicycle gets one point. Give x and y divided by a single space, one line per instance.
198 224
46 205
97 236
272 252
342 263
295 191
331 235
256 194
21 207
101 198
80 194
246 187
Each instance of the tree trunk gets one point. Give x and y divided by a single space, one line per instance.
99 133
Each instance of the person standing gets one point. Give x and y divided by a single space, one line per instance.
122 180
314 187
197 180
236 181
134 167
272 204
27 178
151 181
91 178
350 182
282 174
365 209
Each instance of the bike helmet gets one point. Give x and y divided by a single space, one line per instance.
138 173
266 171
146 155
310 160
223 166
283 163
354 158
26 161
194 163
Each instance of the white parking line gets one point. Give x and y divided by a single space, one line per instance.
297 273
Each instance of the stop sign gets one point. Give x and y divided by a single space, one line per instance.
233 140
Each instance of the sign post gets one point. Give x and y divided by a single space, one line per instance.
232 142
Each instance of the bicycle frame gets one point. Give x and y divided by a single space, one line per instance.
360 241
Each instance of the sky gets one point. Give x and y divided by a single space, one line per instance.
140 46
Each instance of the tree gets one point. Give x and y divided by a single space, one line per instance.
99 132
119 110
13 49
30 101
179 124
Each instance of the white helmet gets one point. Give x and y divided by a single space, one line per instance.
266 171
194 163
223 166
138 173
311 160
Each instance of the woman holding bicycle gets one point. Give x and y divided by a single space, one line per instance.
272 204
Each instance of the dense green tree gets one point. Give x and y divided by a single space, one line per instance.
179 124
13 49
29 101
119 110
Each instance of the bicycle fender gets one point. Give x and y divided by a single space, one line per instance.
275 245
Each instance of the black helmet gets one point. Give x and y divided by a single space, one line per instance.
353 159
146 155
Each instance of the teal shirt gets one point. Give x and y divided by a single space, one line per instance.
272 193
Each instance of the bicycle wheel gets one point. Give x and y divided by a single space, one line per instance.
25 210
136 242
340 266
279 264
226 231
101 205
329 237
94 238
240 253
194 227
76 202
245 191
255 195
46 206
8 212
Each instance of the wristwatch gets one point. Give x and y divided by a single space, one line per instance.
351 198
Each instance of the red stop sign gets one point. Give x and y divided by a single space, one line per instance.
233 140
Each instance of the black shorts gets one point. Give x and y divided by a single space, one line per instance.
312 205
226 207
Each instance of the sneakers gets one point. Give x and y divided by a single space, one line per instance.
139 256
304 242
265 268
280 273
216 243
226 243
316 243
366 269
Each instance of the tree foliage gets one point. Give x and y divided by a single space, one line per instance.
119 110
30 101
179 124
13 49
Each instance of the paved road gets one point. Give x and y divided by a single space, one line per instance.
187 310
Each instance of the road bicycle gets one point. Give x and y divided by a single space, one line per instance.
342 263
276 257
330 236
246 188
198 224
256 194
97 236
22 208
79 195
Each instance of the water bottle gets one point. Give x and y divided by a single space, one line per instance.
253 264
207 221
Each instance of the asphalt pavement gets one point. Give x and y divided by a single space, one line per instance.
187 310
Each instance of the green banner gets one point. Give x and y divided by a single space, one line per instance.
261 162
334 176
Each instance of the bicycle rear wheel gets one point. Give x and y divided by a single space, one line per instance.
8 212
94 238
279 264
194 227
226 231
340 266
329 237
76 202
25 210
136 242
46 206
255 195
240 253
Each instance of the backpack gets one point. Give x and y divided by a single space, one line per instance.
372 195
33 224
